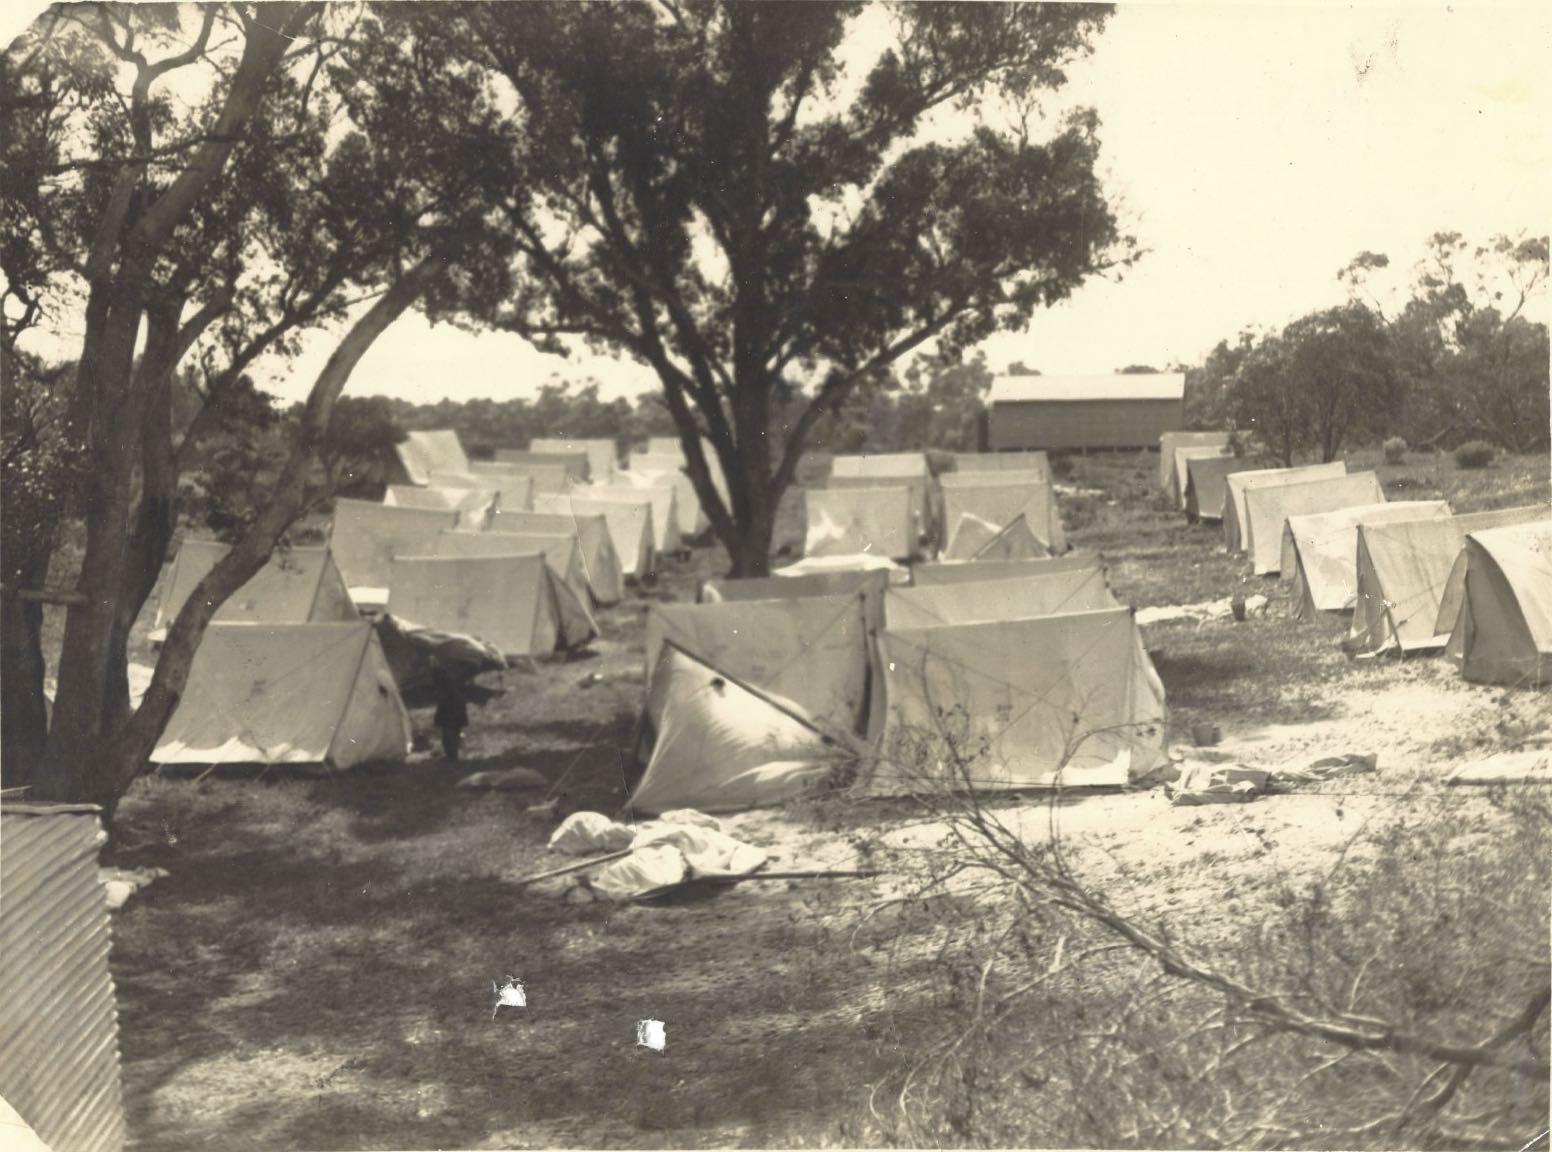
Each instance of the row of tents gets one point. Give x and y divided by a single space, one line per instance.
1414 575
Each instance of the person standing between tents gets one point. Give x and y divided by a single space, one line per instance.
452 711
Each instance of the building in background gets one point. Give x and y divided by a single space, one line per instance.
1082 412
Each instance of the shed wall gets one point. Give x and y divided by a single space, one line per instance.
1027 424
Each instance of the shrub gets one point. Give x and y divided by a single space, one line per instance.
1474 454
1395 450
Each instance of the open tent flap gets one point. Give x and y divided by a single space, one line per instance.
1016 541
812 651
1238 483
998 501
1053 701
414 652
1269 507
1048 594
971 533
721 745
1320 551
287 694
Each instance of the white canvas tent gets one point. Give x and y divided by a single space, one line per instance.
978 539
1238 483
1000 498
628 514
365 538
722 745
515 602
560 550
980 570
660 492
599 560
1403 570
1049 594
574 463
1268 508
473 505
1207 483
1320 552
811 650
287 694
1049 701
296 586
886 470
661 467
1502 632
1183 458
1036 463
1169 441
515 486
422 453
544 474
871 521
601 452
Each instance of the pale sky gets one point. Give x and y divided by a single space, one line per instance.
1254 151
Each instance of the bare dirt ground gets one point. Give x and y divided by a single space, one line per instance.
316 970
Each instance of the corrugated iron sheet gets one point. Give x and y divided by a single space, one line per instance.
59 1046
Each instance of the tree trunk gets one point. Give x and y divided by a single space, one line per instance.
24 733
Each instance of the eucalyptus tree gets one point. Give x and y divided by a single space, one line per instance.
770 203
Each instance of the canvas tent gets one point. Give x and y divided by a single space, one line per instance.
601 452
627 513
722 745
872 521
365 537
1050 594
1403 570
1207 483
515 602
1169 441
515 487
1000 498
810 650
1036 463
869 585
1268 508
544 475
886 470
1183 458
422 453
1320 552
1067 700
287 694
660 492
970 572
573 463
1502 632
295 586
978 539
560 551
1238 483
473 505
687 502
599 560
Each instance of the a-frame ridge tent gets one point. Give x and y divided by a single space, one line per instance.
544 474
559 549
978 539
661 468
1502 632
1049 701
888 470
515 602
1320 552
1169 441
1050 594
1403 570
423 453
512 484
1268 508
850 521
811 650
573 463
473 505
1207 483
295 586
287 694
722 745
999 497
627 514
1236 484
365 537
659 491
1183 458
599 560
602 453
958 572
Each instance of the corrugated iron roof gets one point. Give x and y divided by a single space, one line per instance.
59 1051
1154 386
